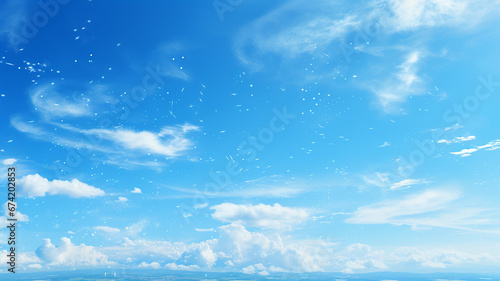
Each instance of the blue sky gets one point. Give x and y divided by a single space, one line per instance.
252 136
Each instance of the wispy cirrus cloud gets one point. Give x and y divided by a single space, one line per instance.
169 141
263 191
264 41
107 229
401 84
253 252
50 103
305 35
385 180
408 183
414 14
492 145
392 211
430 208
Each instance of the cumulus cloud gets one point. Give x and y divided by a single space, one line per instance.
136 190
200 254
261 215
153 265
385 180
169 141
238 249
25 127
174 266
68 254
359 257
36 186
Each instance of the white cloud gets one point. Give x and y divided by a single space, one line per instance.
136 190
302 35
244 248
50 103
359 257
24 127
412 14
457 139
122 199
408 182
37 186
377 179
200 206
174 266
204 229
396 211
35 266
454 127
153 265
465 152
170 141
133 230
492 145
107 229
409 15
386 143
253 252
261 215
431 208
9 161
68 254
200 254
336 21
